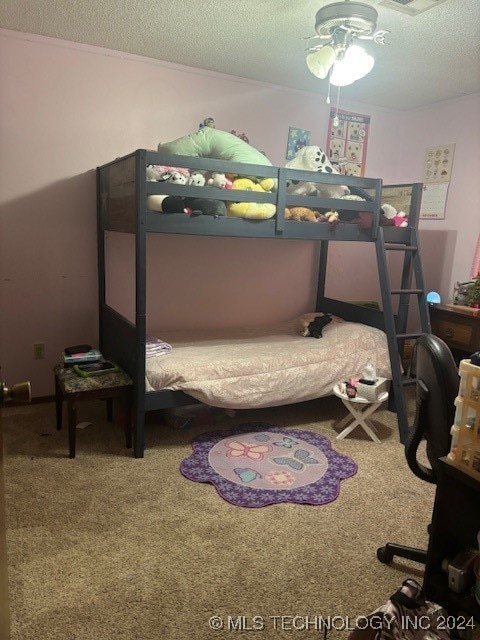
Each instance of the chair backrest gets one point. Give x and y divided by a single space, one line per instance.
436 389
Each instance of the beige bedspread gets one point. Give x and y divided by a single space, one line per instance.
266 366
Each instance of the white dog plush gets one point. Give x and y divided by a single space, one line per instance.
314 158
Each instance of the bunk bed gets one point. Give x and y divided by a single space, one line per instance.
123 192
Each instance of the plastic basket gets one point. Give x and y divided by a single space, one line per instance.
465 448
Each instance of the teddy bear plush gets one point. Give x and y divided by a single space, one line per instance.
329 216
314 328
300 214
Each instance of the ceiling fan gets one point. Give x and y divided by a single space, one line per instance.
339 26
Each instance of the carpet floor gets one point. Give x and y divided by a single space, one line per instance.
107 546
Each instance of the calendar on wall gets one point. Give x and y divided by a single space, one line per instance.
437 171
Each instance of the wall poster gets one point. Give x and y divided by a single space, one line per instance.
297 138
347 141
437 170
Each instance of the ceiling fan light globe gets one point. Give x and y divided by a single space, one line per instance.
320 62
355 64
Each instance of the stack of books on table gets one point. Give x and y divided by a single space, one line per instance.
81 357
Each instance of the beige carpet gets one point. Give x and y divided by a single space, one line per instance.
107 546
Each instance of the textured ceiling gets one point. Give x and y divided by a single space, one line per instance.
431 57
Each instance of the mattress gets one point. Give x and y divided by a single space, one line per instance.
266 366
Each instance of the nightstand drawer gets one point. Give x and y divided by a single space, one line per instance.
453 333
458 327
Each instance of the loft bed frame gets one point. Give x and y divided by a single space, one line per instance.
122 195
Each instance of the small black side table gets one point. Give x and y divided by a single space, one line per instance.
73 388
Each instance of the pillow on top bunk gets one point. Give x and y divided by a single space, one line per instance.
214 143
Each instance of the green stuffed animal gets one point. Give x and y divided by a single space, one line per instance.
214 143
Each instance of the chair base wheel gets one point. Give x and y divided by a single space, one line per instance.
385 555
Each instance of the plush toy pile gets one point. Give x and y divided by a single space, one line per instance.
209 142
177 204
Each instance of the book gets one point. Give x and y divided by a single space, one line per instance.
93 355
95 368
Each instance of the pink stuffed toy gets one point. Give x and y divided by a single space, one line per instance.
394 217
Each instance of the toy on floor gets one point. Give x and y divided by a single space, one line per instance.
314 328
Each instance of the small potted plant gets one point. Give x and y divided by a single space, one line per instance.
473 293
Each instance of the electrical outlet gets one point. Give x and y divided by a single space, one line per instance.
39 351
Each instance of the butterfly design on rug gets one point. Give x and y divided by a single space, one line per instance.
301 457
261 437
286 442
247 475
237 449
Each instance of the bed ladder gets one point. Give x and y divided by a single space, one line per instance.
396 323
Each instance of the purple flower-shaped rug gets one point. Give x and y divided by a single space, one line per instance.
258 464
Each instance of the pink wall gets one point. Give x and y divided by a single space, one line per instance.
66 108
448 245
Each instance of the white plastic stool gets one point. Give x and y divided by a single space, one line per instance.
359 410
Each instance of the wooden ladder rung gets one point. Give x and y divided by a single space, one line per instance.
410 291
400 247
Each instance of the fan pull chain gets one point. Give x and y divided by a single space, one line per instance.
336 120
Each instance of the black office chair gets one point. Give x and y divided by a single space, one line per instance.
437 383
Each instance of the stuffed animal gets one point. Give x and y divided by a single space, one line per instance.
209 142
242 136
392 217
298 188
219 180
312 158
248 184
206 207
208 122
197 179
329 216
300 214
252 210
313 328
177 177
261 210
161 173
190 206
